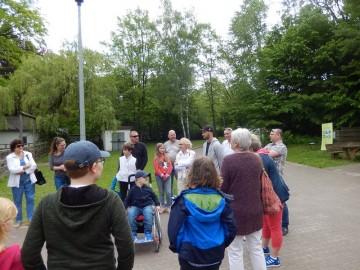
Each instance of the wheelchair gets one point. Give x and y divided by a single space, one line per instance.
156 228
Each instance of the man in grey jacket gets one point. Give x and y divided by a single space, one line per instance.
212 147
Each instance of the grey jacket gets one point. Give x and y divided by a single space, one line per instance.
216 152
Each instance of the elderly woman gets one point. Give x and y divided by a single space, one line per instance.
241 173
21 166
184 159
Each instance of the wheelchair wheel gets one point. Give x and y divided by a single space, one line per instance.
157 233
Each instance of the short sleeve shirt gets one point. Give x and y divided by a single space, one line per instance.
281 149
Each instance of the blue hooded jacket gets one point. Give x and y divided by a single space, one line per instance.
201 226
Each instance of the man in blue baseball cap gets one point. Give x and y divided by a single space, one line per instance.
77 221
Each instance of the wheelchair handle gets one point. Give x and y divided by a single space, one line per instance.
133 175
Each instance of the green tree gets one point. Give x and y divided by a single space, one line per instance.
47 87
133 56
180 42
21 33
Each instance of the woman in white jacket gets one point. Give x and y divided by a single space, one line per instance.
182 163
21 166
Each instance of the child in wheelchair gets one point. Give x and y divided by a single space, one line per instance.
140 200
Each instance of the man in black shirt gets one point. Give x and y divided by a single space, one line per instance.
139 151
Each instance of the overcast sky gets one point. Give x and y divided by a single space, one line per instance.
99 18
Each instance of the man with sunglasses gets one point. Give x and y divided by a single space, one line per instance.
78 221
139 151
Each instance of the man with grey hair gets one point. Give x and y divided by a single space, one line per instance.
171 149
278 151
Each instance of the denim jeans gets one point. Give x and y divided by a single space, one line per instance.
164 191
285 217
134 212
61 180
27 187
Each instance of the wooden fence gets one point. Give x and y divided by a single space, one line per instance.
38 150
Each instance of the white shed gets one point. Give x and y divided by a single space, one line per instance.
114 140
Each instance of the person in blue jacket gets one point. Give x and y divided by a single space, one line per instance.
201 223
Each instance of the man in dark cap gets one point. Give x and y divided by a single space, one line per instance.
77 221
212 147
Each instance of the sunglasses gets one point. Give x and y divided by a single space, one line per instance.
19 145
134 136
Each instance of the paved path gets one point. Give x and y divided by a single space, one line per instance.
324 223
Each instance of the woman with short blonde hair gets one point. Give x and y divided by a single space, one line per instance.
184 159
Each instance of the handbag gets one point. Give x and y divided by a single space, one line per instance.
270 201
40 177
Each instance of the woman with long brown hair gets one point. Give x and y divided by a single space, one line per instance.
163 169
56 162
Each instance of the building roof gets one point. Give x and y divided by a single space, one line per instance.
13 123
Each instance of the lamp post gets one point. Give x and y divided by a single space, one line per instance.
81 76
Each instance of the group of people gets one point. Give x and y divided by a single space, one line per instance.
217 207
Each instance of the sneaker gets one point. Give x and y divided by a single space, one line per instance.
148 237
285 231
134 237
266 251
270 262
17 224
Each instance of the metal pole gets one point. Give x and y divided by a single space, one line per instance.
81 78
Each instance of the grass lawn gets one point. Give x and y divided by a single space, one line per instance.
296 153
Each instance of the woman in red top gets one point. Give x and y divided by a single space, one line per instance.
10 257
163 169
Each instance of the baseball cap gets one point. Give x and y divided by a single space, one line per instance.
141 174
207 128
84 153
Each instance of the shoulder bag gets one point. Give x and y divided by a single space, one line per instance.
271 202
39 175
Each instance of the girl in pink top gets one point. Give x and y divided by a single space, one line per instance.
10 257
163 169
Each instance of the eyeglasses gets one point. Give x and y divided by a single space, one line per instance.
134 136
102 160
19 145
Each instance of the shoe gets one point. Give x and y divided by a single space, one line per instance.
266 251
285 231
17 224
27 223
134 237
148 237
270 262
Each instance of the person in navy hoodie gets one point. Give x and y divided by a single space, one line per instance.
201 223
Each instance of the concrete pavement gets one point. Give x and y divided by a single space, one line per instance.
324 223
